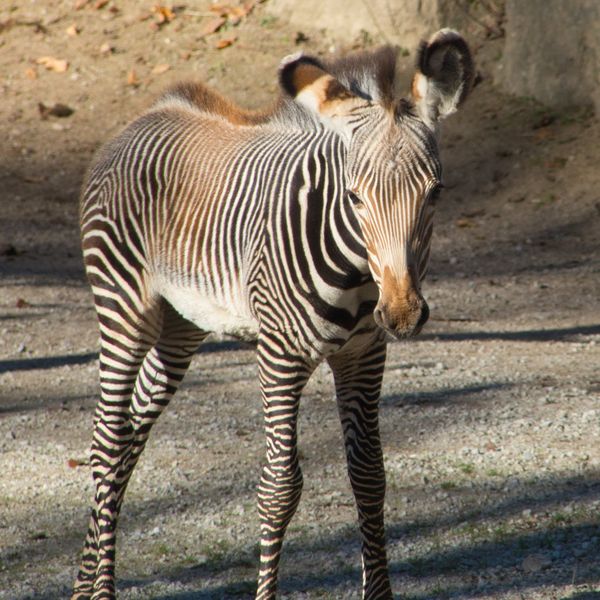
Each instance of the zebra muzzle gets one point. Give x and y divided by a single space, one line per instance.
401 310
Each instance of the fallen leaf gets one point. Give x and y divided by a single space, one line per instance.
474 213
31 73
160 69
73 463
132 78
163 14
219 9
236 14
225 42
212 26
72 30
542 134
53 64
22 303
100 4
58 110
465 223
300 38
558 162
544 120
6 24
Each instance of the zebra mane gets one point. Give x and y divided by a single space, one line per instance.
369 74
197 96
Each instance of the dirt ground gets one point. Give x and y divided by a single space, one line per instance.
490 419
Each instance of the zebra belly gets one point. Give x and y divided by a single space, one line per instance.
231 317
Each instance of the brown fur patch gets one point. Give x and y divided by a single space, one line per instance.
305 75
400 299
208 100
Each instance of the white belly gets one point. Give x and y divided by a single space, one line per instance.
231 316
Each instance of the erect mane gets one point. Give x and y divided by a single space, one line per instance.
370 74
198 96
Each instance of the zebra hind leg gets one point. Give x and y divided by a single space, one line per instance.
358 375
137 383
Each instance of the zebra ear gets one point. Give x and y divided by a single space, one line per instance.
305 79
444 77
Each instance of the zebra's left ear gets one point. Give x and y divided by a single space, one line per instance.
305 79
444 77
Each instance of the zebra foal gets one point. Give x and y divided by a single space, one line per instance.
306 226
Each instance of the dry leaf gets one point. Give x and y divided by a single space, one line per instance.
212 26
225 42
163 14
160 69
100 4
72 30
73 463
132 78
235 15
22 303
53 64
465 223
31 73
58 110
6 24
220 9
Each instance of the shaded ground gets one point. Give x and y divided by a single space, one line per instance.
490 420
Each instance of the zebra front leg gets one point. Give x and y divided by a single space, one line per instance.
282 379
358 373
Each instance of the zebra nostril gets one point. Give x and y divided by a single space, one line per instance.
424 316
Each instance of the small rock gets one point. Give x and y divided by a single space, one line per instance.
535 563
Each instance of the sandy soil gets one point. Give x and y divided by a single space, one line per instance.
490 420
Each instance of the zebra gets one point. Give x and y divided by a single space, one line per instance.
306 226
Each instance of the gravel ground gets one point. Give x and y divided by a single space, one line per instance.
490 419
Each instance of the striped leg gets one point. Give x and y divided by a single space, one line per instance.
282 379
358 374
137 382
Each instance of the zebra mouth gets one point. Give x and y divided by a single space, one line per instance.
407 326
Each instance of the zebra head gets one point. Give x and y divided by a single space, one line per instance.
392 167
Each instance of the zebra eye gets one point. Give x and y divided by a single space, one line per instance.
356 201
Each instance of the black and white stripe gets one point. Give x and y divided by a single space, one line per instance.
195 219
